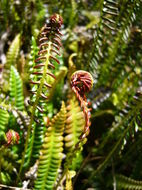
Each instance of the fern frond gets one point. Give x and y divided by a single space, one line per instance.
124 182
7 161
13 52
73 15
121 41
21 116
106 51
16 89
11 59
107 24
51 153
50 43
127 121
4 117
74 126
7 158
5 178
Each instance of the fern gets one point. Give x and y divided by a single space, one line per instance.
49 47
51 153
122 38
4 117
11 59
74 127
124 182
7 163
13 52
16 89
108 15
106 54
21 116
128 120
73 15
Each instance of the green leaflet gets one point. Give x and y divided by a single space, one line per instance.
74 126
16 89
51 152
124 182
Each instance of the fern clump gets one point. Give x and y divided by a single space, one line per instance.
70 94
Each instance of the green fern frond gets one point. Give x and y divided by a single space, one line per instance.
11 59
73 15
107 25
5 178
121 41
7 162
21 116
16 89
4 117
36 142
51 153
128 121
106 51
74 126
124 182
7 158
40 72
13 52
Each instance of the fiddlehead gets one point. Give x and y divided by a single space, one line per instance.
81 83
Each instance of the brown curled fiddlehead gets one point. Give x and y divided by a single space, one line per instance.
81 83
